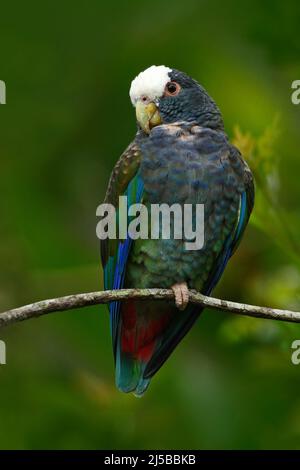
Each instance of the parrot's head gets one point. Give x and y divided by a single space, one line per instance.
162 96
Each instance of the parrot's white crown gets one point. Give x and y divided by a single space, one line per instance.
151 83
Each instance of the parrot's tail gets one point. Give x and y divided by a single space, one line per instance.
147 334
139 332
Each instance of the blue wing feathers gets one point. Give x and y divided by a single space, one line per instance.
230 246
115 269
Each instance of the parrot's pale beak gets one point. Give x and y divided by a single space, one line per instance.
147 115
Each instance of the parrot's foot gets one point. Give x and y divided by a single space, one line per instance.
181 292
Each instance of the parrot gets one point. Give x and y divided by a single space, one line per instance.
181 154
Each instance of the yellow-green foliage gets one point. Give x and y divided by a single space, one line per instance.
262 155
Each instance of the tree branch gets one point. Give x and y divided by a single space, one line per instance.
94 298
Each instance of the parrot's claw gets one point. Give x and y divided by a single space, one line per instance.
181 293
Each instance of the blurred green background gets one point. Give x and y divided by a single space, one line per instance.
68 67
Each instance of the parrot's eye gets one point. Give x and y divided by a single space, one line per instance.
172 89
